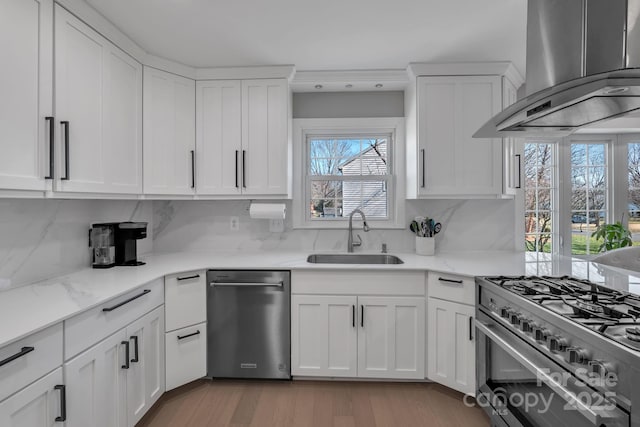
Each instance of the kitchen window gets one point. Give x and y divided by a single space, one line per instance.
347 164
575 184
540 196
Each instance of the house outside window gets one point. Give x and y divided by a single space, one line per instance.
348 164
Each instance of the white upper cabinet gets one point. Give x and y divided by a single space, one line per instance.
98 107
169 133
443 113
242 137
26 35
218 137
512 148
265 146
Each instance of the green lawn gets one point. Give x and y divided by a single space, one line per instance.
579 244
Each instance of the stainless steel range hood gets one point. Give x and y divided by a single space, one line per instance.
583 66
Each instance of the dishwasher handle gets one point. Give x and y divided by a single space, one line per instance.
255 284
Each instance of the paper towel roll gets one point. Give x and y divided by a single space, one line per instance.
267 210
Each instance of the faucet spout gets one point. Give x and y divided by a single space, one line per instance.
350 243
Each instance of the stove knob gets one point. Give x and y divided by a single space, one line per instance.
577 355
557 344
515 318
505 312
527 326
601 368
541 334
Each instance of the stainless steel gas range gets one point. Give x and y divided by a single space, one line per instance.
557 351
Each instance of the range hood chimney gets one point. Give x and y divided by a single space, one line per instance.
583 66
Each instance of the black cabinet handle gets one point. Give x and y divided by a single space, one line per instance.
189 335
52 131
442 279
146 291
135 359
470 328
193 169
422 168
237 152
353 316
519 170
126 354
195 276
244 176
362 316
18 355
65 125
63 403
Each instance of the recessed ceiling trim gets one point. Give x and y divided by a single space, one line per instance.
359 80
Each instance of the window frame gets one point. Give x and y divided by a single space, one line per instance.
617 177
343 127
564 188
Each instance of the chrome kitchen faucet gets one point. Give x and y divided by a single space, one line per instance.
365 227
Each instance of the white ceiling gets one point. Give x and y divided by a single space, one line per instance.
323 35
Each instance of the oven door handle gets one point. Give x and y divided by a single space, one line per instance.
594 416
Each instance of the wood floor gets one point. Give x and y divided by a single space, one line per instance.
312 404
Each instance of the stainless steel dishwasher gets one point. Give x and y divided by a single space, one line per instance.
248 314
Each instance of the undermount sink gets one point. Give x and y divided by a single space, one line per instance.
354 259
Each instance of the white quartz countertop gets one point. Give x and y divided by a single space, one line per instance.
27 309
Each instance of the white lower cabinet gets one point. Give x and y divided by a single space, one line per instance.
97 385
186 355
324 335
451 345
115 382
391 337
145 378
38 405
363 336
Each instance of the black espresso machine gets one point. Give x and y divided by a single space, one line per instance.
114 243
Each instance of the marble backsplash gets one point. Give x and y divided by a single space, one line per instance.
468 225
46 238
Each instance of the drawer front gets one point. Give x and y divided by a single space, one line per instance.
358 282
91 326
452 287
32 357
186 355
185 299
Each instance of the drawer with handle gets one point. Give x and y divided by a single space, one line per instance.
186 355
30 358
185 299
451 287
91 326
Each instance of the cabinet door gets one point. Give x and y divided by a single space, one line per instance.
99 108
38 405
265 143
145 378
169 133
26 35
451 345
97 386
391 337
511 155
451 161
122 131
323 335
218 137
